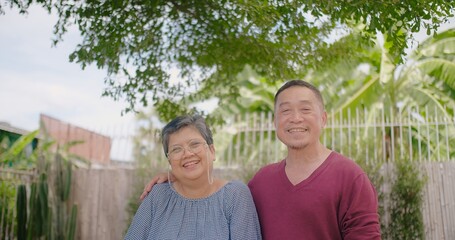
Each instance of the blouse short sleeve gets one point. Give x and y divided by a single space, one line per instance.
229 213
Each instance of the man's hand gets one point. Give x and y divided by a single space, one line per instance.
160 178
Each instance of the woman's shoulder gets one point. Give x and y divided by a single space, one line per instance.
160 187
236 187
237 195
236 184
158 190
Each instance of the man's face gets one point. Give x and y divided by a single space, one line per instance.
299 117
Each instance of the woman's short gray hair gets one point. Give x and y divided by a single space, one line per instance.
180 122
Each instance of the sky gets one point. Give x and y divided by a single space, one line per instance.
37 78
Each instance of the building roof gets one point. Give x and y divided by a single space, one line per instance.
9 128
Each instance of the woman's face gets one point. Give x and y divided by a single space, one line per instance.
189 155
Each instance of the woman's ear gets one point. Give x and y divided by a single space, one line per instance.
212 150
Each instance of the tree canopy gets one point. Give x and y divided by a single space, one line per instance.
141 43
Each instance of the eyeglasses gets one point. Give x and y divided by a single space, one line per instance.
176 152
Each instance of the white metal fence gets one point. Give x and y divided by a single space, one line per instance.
363 136
249 139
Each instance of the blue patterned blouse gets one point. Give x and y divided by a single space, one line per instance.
228 213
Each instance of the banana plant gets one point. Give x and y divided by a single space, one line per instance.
376 83
14 155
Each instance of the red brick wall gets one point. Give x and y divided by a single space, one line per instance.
95 147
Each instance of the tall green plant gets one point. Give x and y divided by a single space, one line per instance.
38 208
406 202
46 211
21 204
12 156
71 223
7 198
63 224
47 216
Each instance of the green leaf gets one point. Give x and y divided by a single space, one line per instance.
17 147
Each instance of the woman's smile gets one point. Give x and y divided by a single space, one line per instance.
191 164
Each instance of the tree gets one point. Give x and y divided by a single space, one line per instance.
210 42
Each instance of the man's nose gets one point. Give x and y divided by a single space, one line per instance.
297 116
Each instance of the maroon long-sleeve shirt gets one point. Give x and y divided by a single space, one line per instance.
337 201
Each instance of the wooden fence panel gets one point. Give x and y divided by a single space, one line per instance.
439 207
442 189
434 189
102 196
449 186
85 191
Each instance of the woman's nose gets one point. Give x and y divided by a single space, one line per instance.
186 151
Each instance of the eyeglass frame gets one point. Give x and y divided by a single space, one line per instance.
186 148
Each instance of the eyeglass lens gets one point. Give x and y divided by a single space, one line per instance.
178 151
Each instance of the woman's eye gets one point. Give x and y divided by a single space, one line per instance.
195 145
176 150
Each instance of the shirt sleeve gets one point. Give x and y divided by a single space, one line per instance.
142 221
243 218
361 219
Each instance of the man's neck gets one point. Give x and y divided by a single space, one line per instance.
307 156
300 164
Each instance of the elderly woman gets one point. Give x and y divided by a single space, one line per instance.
196 205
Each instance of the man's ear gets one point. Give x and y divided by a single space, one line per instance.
324 118
274 120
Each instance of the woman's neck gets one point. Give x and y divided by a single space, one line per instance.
196 190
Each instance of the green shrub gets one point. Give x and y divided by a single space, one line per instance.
7 203
406 202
